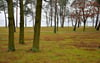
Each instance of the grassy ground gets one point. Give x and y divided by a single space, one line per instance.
64 47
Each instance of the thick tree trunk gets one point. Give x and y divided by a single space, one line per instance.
37 27
21 34
11 46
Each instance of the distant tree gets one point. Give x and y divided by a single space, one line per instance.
98 26
62 4
85 11
3 7
17 2
51 11
11 46
46 11
55 16
35 47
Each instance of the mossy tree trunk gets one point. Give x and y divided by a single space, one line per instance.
21 35
11 46
35 47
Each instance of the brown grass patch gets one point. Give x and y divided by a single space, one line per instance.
4 61
87 45
89 49
53 38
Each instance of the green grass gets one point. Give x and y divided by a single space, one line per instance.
64 47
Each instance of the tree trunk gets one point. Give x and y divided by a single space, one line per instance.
72 22
21 34
47 20
37 27
51 11
55 24
75 26
5 14
17 14
11 46
84 25
57 21
25 21
62 24
79 23
97 19
93 21
32 13
98 27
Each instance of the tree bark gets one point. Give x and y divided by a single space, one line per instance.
55 23
35 47
97 19
21 34
75 26
11 46
98 27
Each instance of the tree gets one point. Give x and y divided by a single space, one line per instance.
3 7
55 16
98 1
35 47
21 35
62 4
17 2
85 11
98 26
11 46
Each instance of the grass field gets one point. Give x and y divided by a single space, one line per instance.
66 46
